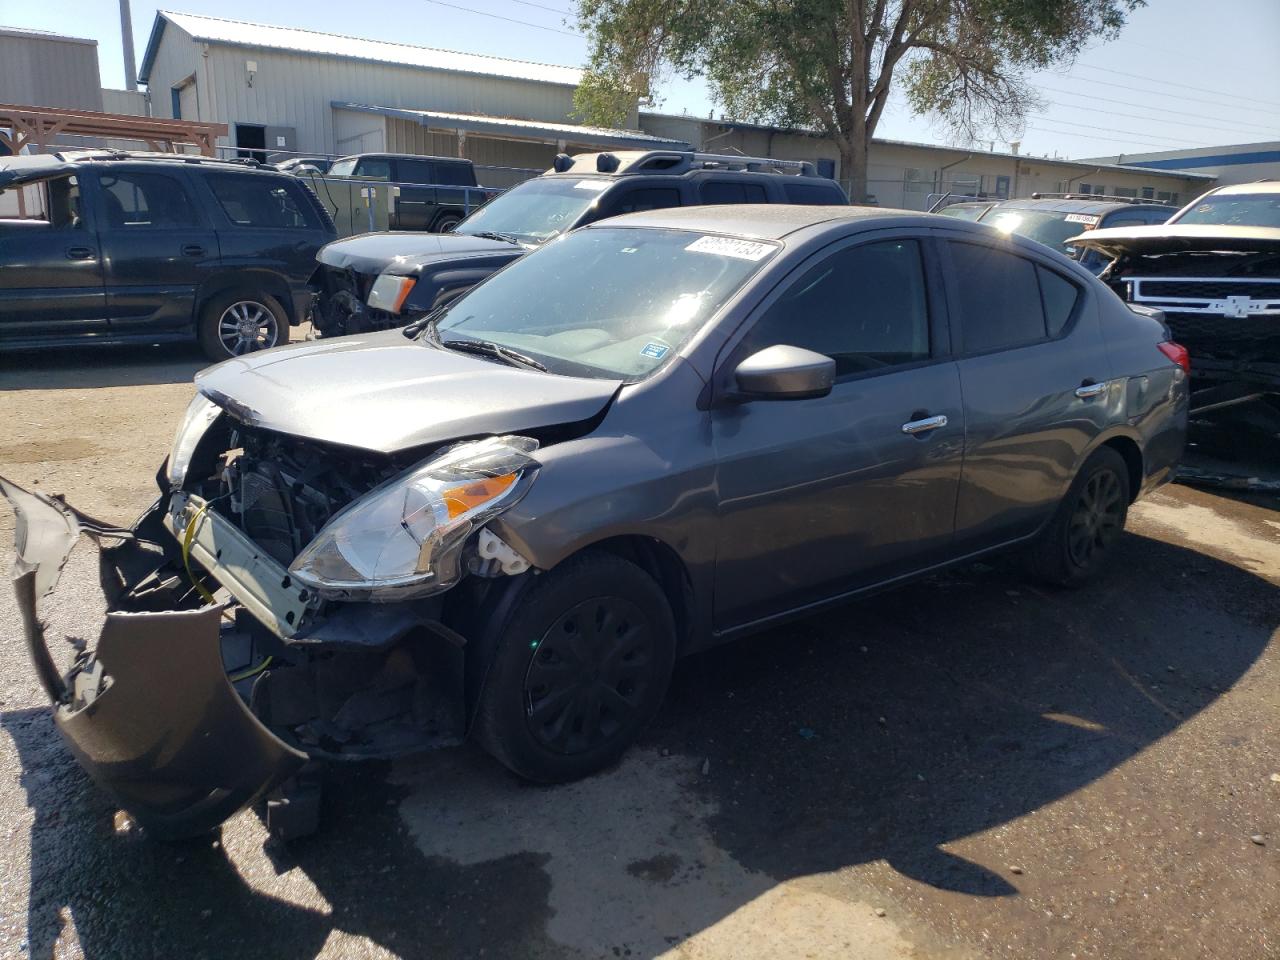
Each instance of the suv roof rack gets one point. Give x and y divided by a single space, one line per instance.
682 161
71 156
1099 198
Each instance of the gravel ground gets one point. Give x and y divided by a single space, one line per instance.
967 767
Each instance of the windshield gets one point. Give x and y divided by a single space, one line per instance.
536 210
610 302
1236 209
1052 228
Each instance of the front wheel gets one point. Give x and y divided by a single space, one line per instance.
240 322
581 669
446 223
1079 539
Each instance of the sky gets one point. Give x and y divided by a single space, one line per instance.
1184 73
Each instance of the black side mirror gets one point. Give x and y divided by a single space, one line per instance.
783 372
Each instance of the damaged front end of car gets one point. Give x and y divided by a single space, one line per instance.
283 602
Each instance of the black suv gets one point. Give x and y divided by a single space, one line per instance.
380 280
110 247
1054 218
433 193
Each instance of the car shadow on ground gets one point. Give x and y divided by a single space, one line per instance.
76 367
879 731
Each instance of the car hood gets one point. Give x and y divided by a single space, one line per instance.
1172 238
405 253
385 393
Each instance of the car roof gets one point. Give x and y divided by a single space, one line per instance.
1099 207
1261 186
773 221
402 156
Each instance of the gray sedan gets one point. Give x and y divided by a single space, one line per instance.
650 436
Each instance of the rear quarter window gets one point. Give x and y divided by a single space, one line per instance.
729 191
814 193
1059 296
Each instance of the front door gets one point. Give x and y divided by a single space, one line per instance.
50 263
157 248
819 497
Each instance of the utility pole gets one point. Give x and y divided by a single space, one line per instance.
126 38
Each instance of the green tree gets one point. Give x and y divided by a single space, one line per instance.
829 65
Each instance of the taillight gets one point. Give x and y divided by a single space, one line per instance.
1177 353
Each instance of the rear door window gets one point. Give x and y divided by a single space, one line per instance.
999 298
455 174
415 171
249 200
133 199
811 193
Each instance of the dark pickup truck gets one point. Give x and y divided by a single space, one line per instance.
377 281
447 192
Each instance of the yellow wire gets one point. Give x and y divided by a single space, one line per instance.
187 536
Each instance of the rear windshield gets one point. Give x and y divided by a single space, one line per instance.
536 210
1052 228
611 302
1237 210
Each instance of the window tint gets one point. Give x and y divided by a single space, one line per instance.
253 201
52 203
864 307
455 174
373 168
999 298
728 191
816 193
1132 220
646 198
414 171
1059 295
137 199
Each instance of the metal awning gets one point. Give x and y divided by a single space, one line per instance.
538 131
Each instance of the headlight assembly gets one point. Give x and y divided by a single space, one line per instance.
404 539
389 292
201 413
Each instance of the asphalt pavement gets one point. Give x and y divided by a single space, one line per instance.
970 766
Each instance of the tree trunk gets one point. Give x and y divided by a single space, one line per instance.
853 166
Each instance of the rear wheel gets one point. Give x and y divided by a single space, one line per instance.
582 668
240 322
446 223
1088 522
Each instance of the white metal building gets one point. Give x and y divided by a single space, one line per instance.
1237 163
286 89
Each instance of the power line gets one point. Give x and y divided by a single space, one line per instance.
1160 93
1138 116
1082 136
496 16
1092 98
1173 141
1171 83
543 6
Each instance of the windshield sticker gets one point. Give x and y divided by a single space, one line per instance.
729 247
655 350
1081 218
596 185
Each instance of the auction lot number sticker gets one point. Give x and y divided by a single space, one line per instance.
731 247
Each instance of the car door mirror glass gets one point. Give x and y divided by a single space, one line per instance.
783 372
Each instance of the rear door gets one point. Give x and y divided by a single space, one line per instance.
158 246
50 262
1037 386
415 206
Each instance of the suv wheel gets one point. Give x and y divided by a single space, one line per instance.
582 668
1076 544
446 223
240 322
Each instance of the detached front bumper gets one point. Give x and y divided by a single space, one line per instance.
149 710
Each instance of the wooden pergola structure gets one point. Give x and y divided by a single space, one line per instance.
36 127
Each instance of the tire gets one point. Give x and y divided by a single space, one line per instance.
226 319
1075 546
446 223
592 638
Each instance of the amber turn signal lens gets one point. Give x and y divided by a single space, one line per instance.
458 500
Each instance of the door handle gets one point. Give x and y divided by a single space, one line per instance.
193 250
79 253
924 425
1089 389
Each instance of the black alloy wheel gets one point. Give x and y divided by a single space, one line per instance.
1098 517
1075 544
